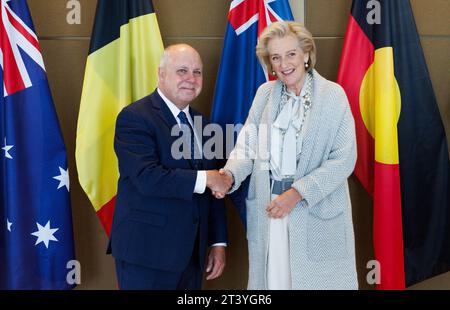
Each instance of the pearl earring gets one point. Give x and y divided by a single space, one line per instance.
306 65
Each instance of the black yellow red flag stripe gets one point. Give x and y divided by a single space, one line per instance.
403 159
121 68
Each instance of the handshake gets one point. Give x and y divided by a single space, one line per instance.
219 182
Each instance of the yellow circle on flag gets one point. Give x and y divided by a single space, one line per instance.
380 104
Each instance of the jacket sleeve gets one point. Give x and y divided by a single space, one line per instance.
337 166
136 148
217 222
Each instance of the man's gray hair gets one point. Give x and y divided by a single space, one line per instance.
166 54
164 59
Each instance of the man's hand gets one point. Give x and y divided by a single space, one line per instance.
283 204
216 262
219 183
228 175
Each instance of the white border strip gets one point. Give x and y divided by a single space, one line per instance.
235 3
245 26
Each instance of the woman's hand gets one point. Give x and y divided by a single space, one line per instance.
283 204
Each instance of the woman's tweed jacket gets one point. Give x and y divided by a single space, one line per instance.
322 251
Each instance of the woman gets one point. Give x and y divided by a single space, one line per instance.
298 144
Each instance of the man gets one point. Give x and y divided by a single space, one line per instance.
165 217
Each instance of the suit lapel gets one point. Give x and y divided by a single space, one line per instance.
164 113
162 110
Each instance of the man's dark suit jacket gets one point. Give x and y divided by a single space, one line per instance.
157 215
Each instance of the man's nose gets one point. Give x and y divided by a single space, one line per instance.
190 77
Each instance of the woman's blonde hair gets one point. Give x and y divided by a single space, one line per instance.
281 30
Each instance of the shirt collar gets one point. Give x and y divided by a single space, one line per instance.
173 108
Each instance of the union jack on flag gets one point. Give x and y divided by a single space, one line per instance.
240 73
16 37
244 13
36 238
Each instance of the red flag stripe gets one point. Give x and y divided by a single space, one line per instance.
11 74
105 214
262 22
356 58
387 219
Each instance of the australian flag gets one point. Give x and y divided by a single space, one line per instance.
36 240
240 73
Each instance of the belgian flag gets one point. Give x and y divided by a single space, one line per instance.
121 68
403 159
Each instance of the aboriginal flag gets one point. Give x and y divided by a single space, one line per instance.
403 159
121 68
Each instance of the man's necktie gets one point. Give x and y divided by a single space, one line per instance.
197 163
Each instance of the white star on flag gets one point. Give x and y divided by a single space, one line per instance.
63 178
45 234
6 148
8 225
